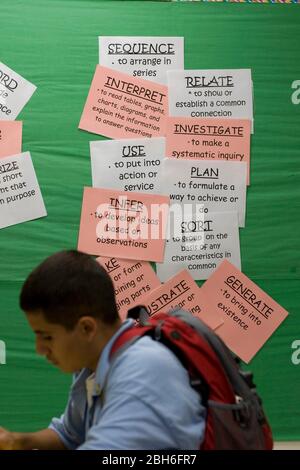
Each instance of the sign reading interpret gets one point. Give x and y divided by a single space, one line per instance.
120 106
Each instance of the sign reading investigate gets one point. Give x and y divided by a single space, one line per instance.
209 139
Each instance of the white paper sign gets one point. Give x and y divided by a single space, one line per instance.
203 243
219 186
20 195
143 57
127 164
211 93
15 91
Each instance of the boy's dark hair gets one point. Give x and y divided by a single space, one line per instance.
67 286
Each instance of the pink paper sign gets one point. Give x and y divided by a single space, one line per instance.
133 280
209 139
250 315
121 106
180 291
123 225
10 138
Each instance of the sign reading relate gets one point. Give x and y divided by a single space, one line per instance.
211 93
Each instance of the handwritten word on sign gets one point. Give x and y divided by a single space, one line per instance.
211 93
15 91
219 186
180 291
127 164
145 57
201 244
209 139
132 280
20 195
119 105
250 315
123 225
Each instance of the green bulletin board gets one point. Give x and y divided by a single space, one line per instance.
54 45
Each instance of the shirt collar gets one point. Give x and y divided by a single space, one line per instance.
80 377
103 363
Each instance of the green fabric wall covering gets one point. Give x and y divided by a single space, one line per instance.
54 45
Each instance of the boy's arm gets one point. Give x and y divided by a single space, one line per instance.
47 439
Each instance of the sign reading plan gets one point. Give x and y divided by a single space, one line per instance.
123 225
121 106
132 280
15 91
20 195
129 164
145 57
219 186
211 93
202 245
250 315
10 138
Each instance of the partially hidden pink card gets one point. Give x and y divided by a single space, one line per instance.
209 139
121 106
133 280
123 225
180 291
250 316
10 138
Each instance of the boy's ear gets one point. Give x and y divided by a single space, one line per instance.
87 326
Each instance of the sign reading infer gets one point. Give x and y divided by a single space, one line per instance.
123 225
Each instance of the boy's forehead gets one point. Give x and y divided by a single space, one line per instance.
38 322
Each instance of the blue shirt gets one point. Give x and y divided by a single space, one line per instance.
148 403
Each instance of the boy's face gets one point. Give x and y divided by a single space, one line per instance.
66 349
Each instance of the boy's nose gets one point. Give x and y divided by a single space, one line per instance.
41 348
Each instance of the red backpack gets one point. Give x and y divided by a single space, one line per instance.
235 417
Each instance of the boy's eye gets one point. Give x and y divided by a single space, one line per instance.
47 338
